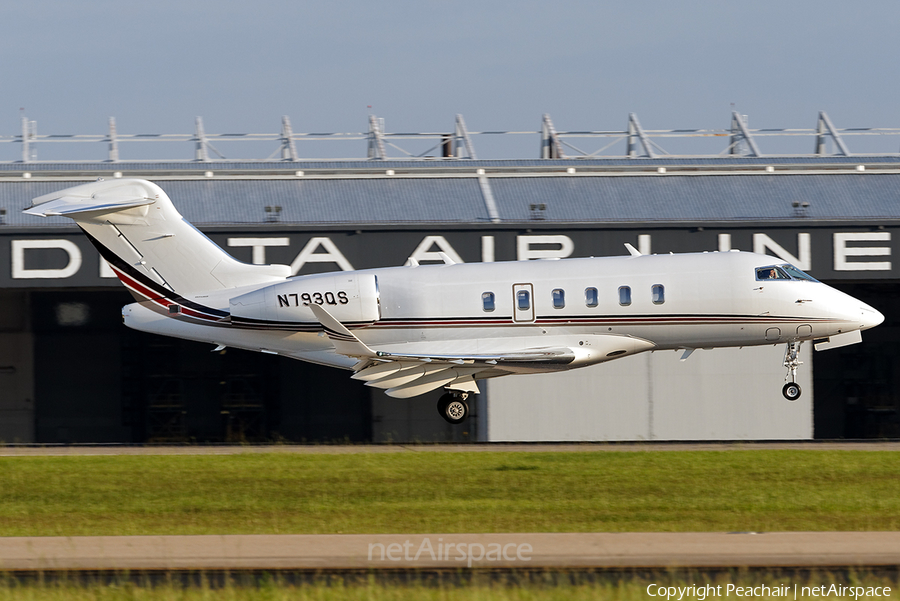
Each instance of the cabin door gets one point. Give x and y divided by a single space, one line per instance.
523 303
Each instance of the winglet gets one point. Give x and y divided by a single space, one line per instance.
632 250
343 339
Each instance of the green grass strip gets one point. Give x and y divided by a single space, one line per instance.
552 588
429 492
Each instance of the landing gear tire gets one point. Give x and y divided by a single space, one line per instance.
453 408
791 391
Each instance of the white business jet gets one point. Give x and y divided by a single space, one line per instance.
413 329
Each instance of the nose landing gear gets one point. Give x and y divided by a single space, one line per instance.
791 390
453 407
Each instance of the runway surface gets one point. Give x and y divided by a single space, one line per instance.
429 551
114 449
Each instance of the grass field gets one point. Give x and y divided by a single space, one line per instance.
626 589
327 593
374 592
428 492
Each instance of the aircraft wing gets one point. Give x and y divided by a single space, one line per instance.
404 375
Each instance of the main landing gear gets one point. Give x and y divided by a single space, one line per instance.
453 407
791 390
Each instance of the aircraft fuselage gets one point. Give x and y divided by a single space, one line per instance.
705 300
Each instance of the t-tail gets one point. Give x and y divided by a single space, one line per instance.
158 255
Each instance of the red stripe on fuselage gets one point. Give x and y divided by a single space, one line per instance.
154 297
133 284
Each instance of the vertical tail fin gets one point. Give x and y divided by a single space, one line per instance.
148 243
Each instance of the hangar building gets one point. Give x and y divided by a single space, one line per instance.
71 372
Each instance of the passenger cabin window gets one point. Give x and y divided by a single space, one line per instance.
523 300
559 298
625 295
658 294
487 301
591 299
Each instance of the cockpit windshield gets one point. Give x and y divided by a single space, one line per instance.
771 273
784 272
797 274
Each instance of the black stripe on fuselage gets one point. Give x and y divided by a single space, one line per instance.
470 322
587 320
294 326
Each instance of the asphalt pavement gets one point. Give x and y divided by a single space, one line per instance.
428 551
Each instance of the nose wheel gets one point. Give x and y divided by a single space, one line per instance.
791 390
453 407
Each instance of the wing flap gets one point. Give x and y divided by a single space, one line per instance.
424 384
379 370
452 378
404 376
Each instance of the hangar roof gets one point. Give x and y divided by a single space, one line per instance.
361 193
441 165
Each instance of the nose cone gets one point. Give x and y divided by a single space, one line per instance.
852 311
869 317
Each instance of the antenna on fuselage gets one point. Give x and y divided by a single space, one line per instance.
634 252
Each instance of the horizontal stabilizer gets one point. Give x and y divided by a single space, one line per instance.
98 196
68 206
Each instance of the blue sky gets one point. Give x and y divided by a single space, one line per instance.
241 65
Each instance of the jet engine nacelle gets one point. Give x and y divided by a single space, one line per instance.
352 298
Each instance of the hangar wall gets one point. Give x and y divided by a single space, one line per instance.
721 394
611 402
16 369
